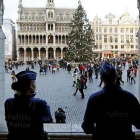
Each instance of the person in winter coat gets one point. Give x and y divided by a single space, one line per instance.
128 74
60 116
74 75
132 76
68 68
77 86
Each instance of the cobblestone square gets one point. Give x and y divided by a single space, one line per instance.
57 90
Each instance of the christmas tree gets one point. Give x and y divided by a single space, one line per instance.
81 38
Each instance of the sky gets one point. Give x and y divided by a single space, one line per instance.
92 7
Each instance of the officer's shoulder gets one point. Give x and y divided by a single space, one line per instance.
128 94
97 94
38 101
9 100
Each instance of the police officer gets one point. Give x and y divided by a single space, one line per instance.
25 114
111 112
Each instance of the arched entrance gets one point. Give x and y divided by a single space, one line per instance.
21 54
35 53
58 53
28 54
50 53
43 53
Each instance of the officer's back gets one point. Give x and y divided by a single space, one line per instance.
112 111
25 114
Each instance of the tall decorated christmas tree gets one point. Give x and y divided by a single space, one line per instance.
81 38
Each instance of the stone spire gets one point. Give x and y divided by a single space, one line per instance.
79 2
20 4
50 3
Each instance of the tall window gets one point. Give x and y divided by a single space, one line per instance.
96 29
105 38
100 37
116 30
96 22
110 30
105 30
127 30
50 15
122 30
122 39
96 37
131 30
111 39
100 29
116 39
122 46
131 38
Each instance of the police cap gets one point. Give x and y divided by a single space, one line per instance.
26 75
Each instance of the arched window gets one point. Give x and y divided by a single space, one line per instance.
50 15
116 30
105 30
110 30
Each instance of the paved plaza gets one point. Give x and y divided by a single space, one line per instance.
57 90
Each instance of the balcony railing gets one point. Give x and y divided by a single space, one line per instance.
63 132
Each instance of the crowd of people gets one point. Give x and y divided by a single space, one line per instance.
110 112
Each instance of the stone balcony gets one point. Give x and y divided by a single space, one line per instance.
64 132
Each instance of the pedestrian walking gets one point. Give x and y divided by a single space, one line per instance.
77 86
13 76
128 74
82 82
74 75
90 71
132 76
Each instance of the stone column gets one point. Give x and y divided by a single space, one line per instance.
2 70
32 58
39 39
61 53
39 53
138 4
46 39
17 54
54 40
24 54
46 53
54 53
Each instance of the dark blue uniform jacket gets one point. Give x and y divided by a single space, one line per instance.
110 114
25 116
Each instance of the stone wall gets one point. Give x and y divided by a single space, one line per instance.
2 70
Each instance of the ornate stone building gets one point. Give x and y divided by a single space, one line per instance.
10 42
42 32
116 38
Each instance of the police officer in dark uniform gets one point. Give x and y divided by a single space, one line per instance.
25 114
111 112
